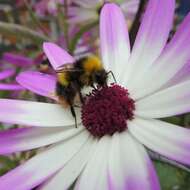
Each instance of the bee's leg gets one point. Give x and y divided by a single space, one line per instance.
73 114
92 85
81 97
76 106
110 72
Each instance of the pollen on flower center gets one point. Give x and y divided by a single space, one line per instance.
106 110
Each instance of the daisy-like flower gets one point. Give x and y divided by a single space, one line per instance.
84 11
107 150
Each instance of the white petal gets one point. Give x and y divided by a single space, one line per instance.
151 38
27 138
115 48
94 174
129 165
173 58
35 113
166 139
69 173
168 102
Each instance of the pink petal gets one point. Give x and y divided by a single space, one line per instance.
11 87
115 47
39 83
6 73
18 60
166 139
56 55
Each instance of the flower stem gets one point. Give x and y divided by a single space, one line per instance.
21 32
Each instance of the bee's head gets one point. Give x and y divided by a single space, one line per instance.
100 77
94 69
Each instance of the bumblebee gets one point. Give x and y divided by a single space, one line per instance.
72 78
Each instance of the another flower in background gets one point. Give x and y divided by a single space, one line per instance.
44 7
152 79
18 60
21 62
13 86
84 11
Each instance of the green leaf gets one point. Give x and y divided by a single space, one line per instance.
172 178
174 120
6 164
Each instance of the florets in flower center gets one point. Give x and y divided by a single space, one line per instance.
106 110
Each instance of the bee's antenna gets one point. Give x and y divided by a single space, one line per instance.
74 115
110 72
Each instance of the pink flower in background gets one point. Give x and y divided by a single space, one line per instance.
44 7
17 60
84 11
149 86
22 62
6 74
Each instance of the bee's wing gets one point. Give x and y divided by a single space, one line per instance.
68 70
57 56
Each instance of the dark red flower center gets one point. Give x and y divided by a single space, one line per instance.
106 110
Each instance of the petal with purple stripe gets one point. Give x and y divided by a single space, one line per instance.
36 113
171 101
111 159
130 166
39 168
164 138
151 38
115 48
21 139
56 55
182 75
174 58
39 83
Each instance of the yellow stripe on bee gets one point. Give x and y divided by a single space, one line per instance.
91 64
63 78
